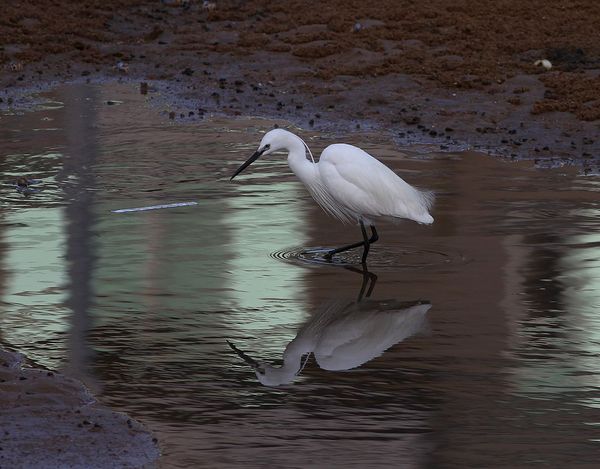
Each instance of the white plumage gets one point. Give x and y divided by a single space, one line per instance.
364 188
349 184
344 335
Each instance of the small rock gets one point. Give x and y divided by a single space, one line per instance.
209 6
15 66
122 67
545 63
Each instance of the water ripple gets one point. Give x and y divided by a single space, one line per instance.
390 258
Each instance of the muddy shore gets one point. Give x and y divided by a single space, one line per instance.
446 75
49 420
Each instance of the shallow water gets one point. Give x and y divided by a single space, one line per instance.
498 364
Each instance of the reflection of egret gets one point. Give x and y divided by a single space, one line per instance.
349 184
342 336
369 279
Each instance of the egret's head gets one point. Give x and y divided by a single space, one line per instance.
276 139
267 375
270 376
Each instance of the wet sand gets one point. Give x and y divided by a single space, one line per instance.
446 75
49 420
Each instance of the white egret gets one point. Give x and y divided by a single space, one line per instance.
349 184
342 336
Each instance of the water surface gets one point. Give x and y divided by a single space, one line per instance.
499 367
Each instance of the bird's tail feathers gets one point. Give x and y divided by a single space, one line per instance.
427 197
424 219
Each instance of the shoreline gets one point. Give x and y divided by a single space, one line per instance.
457 85
49 419
511 137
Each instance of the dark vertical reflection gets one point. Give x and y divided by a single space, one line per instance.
542 286
77 180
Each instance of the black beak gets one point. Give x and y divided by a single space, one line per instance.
249 360
249 161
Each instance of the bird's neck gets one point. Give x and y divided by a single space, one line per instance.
297 161
286 373
292 362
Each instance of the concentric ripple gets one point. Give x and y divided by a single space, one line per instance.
400 257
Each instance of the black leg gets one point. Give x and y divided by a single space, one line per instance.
365 243
368 280
374 235
343 248
373 279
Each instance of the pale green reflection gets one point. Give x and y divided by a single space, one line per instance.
582 296
560 346
35 294
162 261
215 256
266 218
582 265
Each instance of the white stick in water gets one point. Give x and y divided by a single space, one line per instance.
154 207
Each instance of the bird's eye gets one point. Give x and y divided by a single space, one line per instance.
267 146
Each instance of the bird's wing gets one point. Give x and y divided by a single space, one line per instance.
322 195
364 335
366 186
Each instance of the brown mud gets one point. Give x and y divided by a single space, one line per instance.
49 420
454 75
